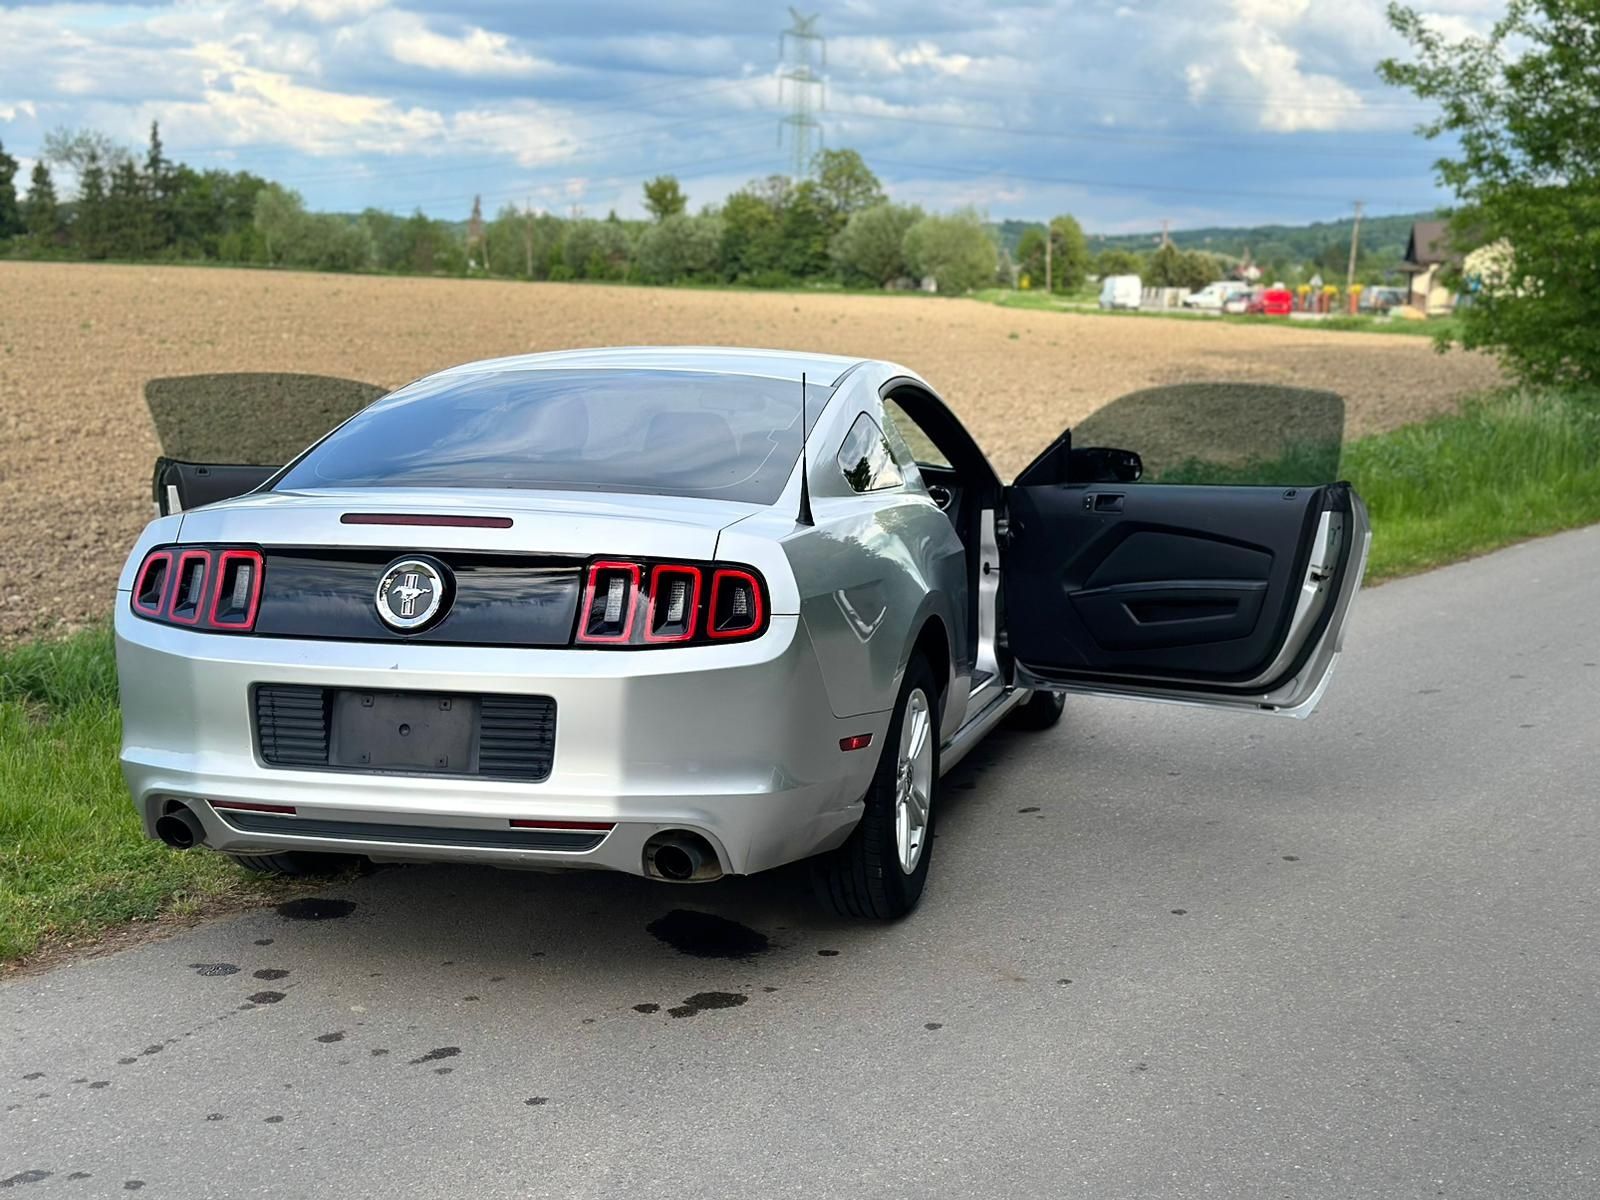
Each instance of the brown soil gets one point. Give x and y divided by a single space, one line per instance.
78 343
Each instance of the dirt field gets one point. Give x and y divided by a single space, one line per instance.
78 343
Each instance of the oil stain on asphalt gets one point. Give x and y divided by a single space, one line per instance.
706 935
315 908
436 1055
701 1001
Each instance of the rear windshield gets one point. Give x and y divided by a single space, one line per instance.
670 433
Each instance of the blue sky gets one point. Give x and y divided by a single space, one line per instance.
1196 111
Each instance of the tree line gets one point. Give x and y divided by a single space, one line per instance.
836 225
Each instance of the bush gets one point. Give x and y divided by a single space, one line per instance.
870 249
679 247
956 251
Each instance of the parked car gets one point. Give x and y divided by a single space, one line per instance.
681 613
1240 302
1214 295
1120 291
1382 299
1271 302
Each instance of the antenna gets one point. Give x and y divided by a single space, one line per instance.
805 485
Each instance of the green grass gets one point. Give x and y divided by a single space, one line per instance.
1508 467
73 859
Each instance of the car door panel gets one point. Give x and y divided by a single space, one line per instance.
1230 595
180 486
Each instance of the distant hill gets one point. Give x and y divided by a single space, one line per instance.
1381 237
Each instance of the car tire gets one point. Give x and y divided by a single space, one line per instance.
295 862
866 878
1040 711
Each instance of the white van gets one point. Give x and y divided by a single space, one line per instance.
1214 295
1120 291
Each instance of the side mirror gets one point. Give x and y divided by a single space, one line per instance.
1103 464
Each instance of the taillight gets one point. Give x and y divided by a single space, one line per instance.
213 588
610 599
641 603
736 608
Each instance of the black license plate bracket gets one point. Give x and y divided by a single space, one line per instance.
404 731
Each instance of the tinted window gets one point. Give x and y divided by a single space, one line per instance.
865 459
674 433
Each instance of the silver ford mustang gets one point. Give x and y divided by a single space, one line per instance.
677 612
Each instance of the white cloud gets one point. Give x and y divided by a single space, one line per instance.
9 111
476 52
327 11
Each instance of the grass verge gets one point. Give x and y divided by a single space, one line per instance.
73 859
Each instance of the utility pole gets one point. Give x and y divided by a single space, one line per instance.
802 56
1166 238
527 232
1355 242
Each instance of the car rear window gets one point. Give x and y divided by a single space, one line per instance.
671 433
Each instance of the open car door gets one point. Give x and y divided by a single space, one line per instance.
225 435
1187 544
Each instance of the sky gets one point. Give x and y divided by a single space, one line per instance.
1125 114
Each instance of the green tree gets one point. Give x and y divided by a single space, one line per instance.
1522 106
955 250
663 197
159 188
1069 259
1174 268
89 220
679 248
595 250
870 249
40 211
10 212
751 245
1117 262
846 182
128 226
807 225
279 214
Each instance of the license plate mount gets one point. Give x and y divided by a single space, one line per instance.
404 731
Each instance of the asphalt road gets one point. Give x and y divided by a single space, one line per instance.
1164 953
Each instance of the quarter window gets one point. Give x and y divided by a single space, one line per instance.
865 459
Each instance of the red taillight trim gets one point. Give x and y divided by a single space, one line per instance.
220 570
757 617
443 520
595 826
166 584
856 741
656 572
205 584
287 810
609 639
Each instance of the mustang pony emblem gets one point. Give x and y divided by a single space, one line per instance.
410 594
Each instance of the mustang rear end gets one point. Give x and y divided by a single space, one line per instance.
607 710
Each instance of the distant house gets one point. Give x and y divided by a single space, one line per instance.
1428 252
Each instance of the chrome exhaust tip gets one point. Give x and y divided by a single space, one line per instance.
681 857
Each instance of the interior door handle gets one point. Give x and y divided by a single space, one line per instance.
1103 502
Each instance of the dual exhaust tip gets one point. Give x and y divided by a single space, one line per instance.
681 857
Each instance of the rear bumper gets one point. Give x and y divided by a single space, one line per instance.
736 743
